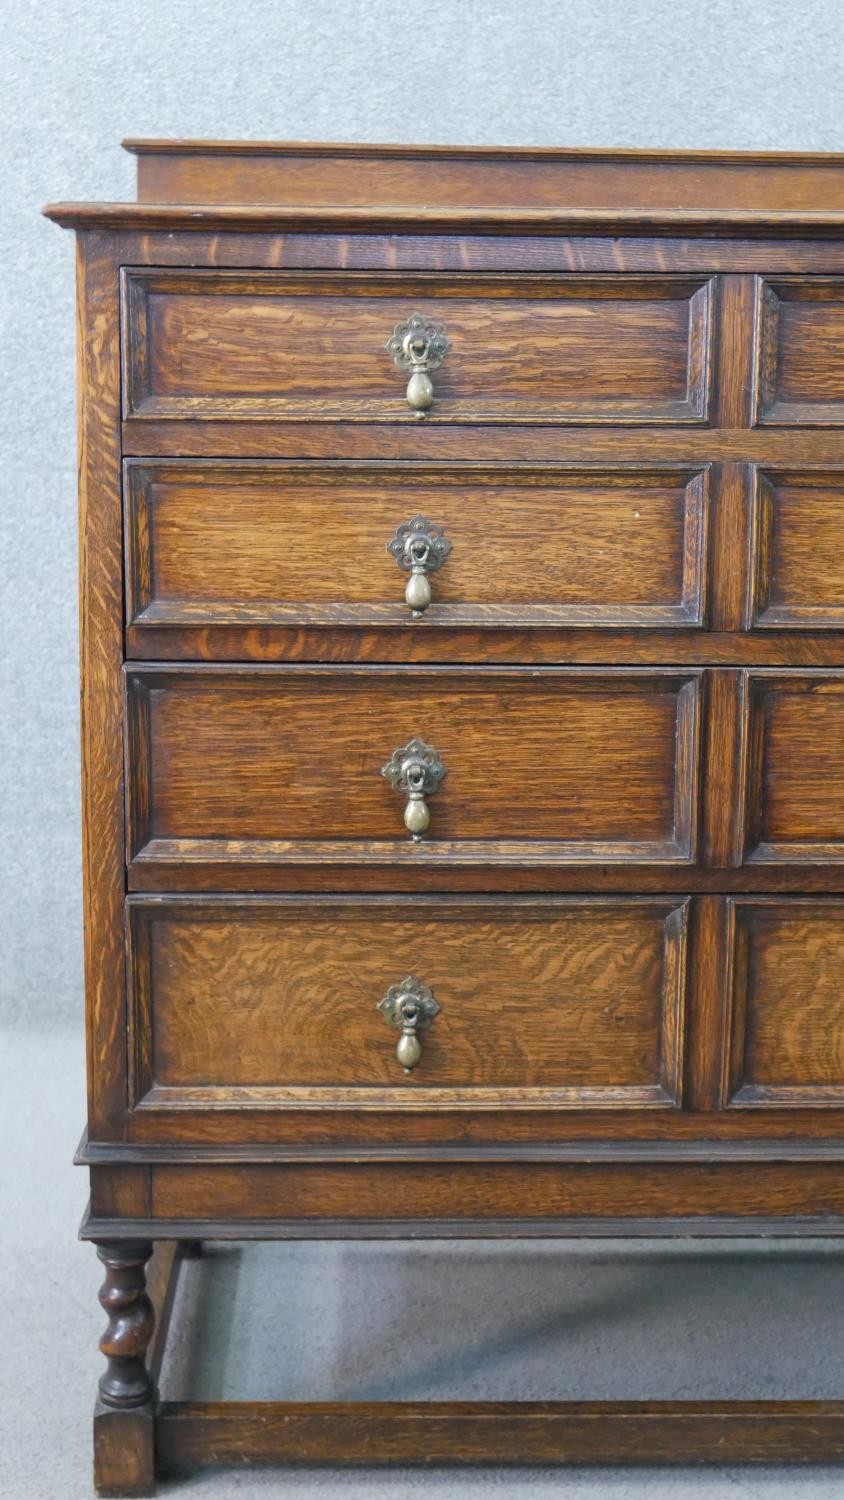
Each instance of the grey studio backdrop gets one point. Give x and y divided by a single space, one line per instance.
341 1321
76 77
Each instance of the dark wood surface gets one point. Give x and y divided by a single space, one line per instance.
594 1432
298 173
217 344
629 906
101 649
447 220
801 352
500 1190
795 750
124 1415
787 1003
529 1015
570 1003
798 542
639 1226
126 1382
275 763
229 544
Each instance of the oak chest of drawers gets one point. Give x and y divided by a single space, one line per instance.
463 730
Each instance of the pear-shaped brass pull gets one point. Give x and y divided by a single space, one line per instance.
410 1007
419 548
418 346
416 771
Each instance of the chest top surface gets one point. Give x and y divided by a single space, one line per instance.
223 182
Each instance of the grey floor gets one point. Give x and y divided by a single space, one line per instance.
402 1321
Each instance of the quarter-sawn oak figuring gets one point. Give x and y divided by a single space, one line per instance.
628 905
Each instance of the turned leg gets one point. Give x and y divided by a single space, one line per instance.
124 1414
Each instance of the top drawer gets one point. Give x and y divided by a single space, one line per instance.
227 345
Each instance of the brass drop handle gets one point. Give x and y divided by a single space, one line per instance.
419 548
418 346
416 771
410 1007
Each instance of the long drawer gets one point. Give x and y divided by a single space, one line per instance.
234 544
250 767
309 1002
212 344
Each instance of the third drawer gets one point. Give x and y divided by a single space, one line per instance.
236 773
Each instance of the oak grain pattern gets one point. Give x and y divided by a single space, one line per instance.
101 649
734 352
801 351
788 1003
124 1452
190 1434
729 547
727 770
391 176
599 336
228 543
602 764
798 544
180 1130
120 1194
570 1003
427 640
174 865
500 1190
722 224
800 246
689 243
431 440
219 344
707 1037
796 766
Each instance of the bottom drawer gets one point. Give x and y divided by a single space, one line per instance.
786 1047
260 1003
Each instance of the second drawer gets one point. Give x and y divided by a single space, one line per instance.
239 546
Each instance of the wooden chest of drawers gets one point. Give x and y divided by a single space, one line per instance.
463 730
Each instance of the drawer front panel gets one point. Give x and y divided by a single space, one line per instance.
787 1003
801 352
311 347
796 774
284 763
543 1003
798 547
228 544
